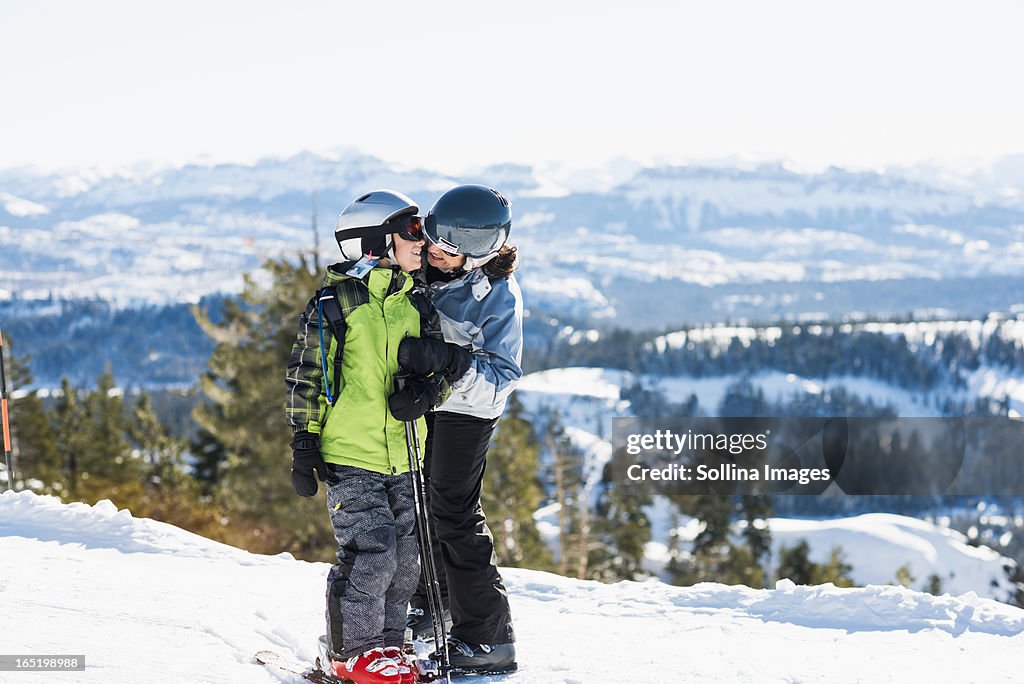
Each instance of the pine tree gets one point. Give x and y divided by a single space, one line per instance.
171 493
70 428
933 585
678 558
33 442
209 458
162 454
756 510
716 555
244 412
512 493
715 515
570 495
621 532
109 469
904 577
836 570
796 565
1015 573
109 449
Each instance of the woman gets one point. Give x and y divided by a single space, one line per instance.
469 270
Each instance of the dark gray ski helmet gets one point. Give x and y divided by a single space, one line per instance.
366 224
470 220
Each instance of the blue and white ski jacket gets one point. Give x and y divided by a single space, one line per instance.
484 316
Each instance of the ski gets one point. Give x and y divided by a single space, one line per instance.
427 670
489 675
274 660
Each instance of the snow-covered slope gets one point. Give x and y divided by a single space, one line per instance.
145 601
876 545
883 542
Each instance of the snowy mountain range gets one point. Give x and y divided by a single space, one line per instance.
715 241
145 601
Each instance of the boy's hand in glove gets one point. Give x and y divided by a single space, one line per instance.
416 396
306 459
426 355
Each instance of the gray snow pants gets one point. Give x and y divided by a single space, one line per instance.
368 589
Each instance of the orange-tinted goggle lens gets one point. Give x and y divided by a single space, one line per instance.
411 228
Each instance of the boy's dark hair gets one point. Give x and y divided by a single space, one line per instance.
503 265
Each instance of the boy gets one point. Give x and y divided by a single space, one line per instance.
348 428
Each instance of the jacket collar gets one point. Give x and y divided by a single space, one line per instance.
479 284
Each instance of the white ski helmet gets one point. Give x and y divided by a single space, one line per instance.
366 224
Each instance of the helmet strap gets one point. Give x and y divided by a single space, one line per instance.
472 263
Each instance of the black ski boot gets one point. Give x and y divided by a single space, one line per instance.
418 620
481 658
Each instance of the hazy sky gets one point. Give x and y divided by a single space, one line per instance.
450 85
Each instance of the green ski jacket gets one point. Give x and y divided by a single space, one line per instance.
378 311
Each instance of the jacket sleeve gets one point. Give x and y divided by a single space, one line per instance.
305 402
497 349
430 326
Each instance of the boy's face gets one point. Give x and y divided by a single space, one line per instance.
407 253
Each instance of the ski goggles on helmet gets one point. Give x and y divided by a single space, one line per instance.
447 247
408 227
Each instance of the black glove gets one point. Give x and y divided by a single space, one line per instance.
426 355
306 458
416 396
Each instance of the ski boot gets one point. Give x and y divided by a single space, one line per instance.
421 624
371 667
468 659
406 663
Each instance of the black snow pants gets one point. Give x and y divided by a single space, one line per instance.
455 458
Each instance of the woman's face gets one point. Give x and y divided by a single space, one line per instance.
408 253
441 259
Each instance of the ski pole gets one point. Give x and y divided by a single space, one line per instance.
3 412
435 603
435 587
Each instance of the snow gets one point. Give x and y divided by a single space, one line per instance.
876 544
778 386
735 190
20 207
593 390
599 383
581 231
145 601
994 383
559 284
585 399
